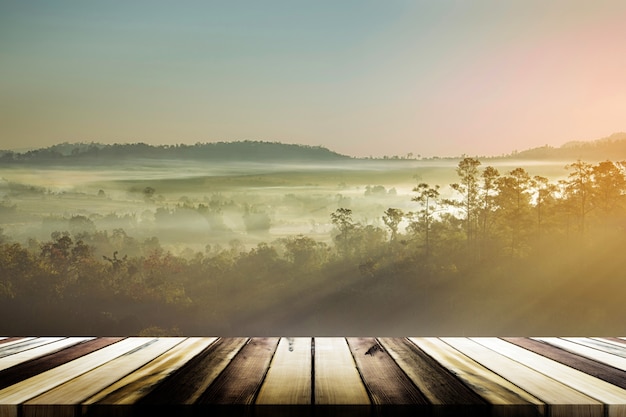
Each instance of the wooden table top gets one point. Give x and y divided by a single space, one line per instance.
356 376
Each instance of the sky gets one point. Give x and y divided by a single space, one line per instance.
363 78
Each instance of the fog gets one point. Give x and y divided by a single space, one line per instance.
171 247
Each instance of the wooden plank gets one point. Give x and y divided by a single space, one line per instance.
27 344
12 341
138 384
562 399
288 380
591 353
615 340
599 344
12 396
189 382
336 378
33 367
589 366
591 386
242 378
501 393
385 381
39 351
438 385
62 399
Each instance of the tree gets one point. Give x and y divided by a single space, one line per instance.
579 189
392 219
468 188
513 201
428 197
609 187
342 219
544 200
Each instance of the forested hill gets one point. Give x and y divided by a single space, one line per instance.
612 148
220 151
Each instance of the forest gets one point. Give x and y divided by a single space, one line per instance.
498 250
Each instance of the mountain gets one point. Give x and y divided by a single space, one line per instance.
256 151
612 147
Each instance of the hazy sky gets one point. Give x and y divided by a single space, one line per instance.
362 77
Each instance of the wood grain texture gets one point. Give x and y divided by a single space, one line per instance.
25 344
241 380
591 353
589 366
133 387
288 380
337 380
385 381
489 385
12 396
189 382
84 386
599 344
9 340
437 384
39 351
563 399
589 385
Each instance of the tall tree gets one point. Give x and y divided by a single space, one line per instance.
468 188
428 197
579 189
513 202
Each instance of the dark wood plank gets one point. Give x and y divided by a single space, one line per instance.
383 378
436 382
242 378
33 367
189 382
583 364
288 380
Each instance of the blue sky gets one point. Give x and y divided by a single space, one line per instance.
360 77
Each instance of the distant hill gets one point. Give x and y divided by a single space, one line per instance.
612 147
221 151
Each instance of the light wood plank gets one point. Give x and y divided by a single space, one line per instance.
589 366
385 381
437 384
136 385
25 370
595 388
612 340
188 383
23 391
40 350
489 385
562 399
86 385
13 341
240 382
288 380
337 380
27 344
599 344
591 353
